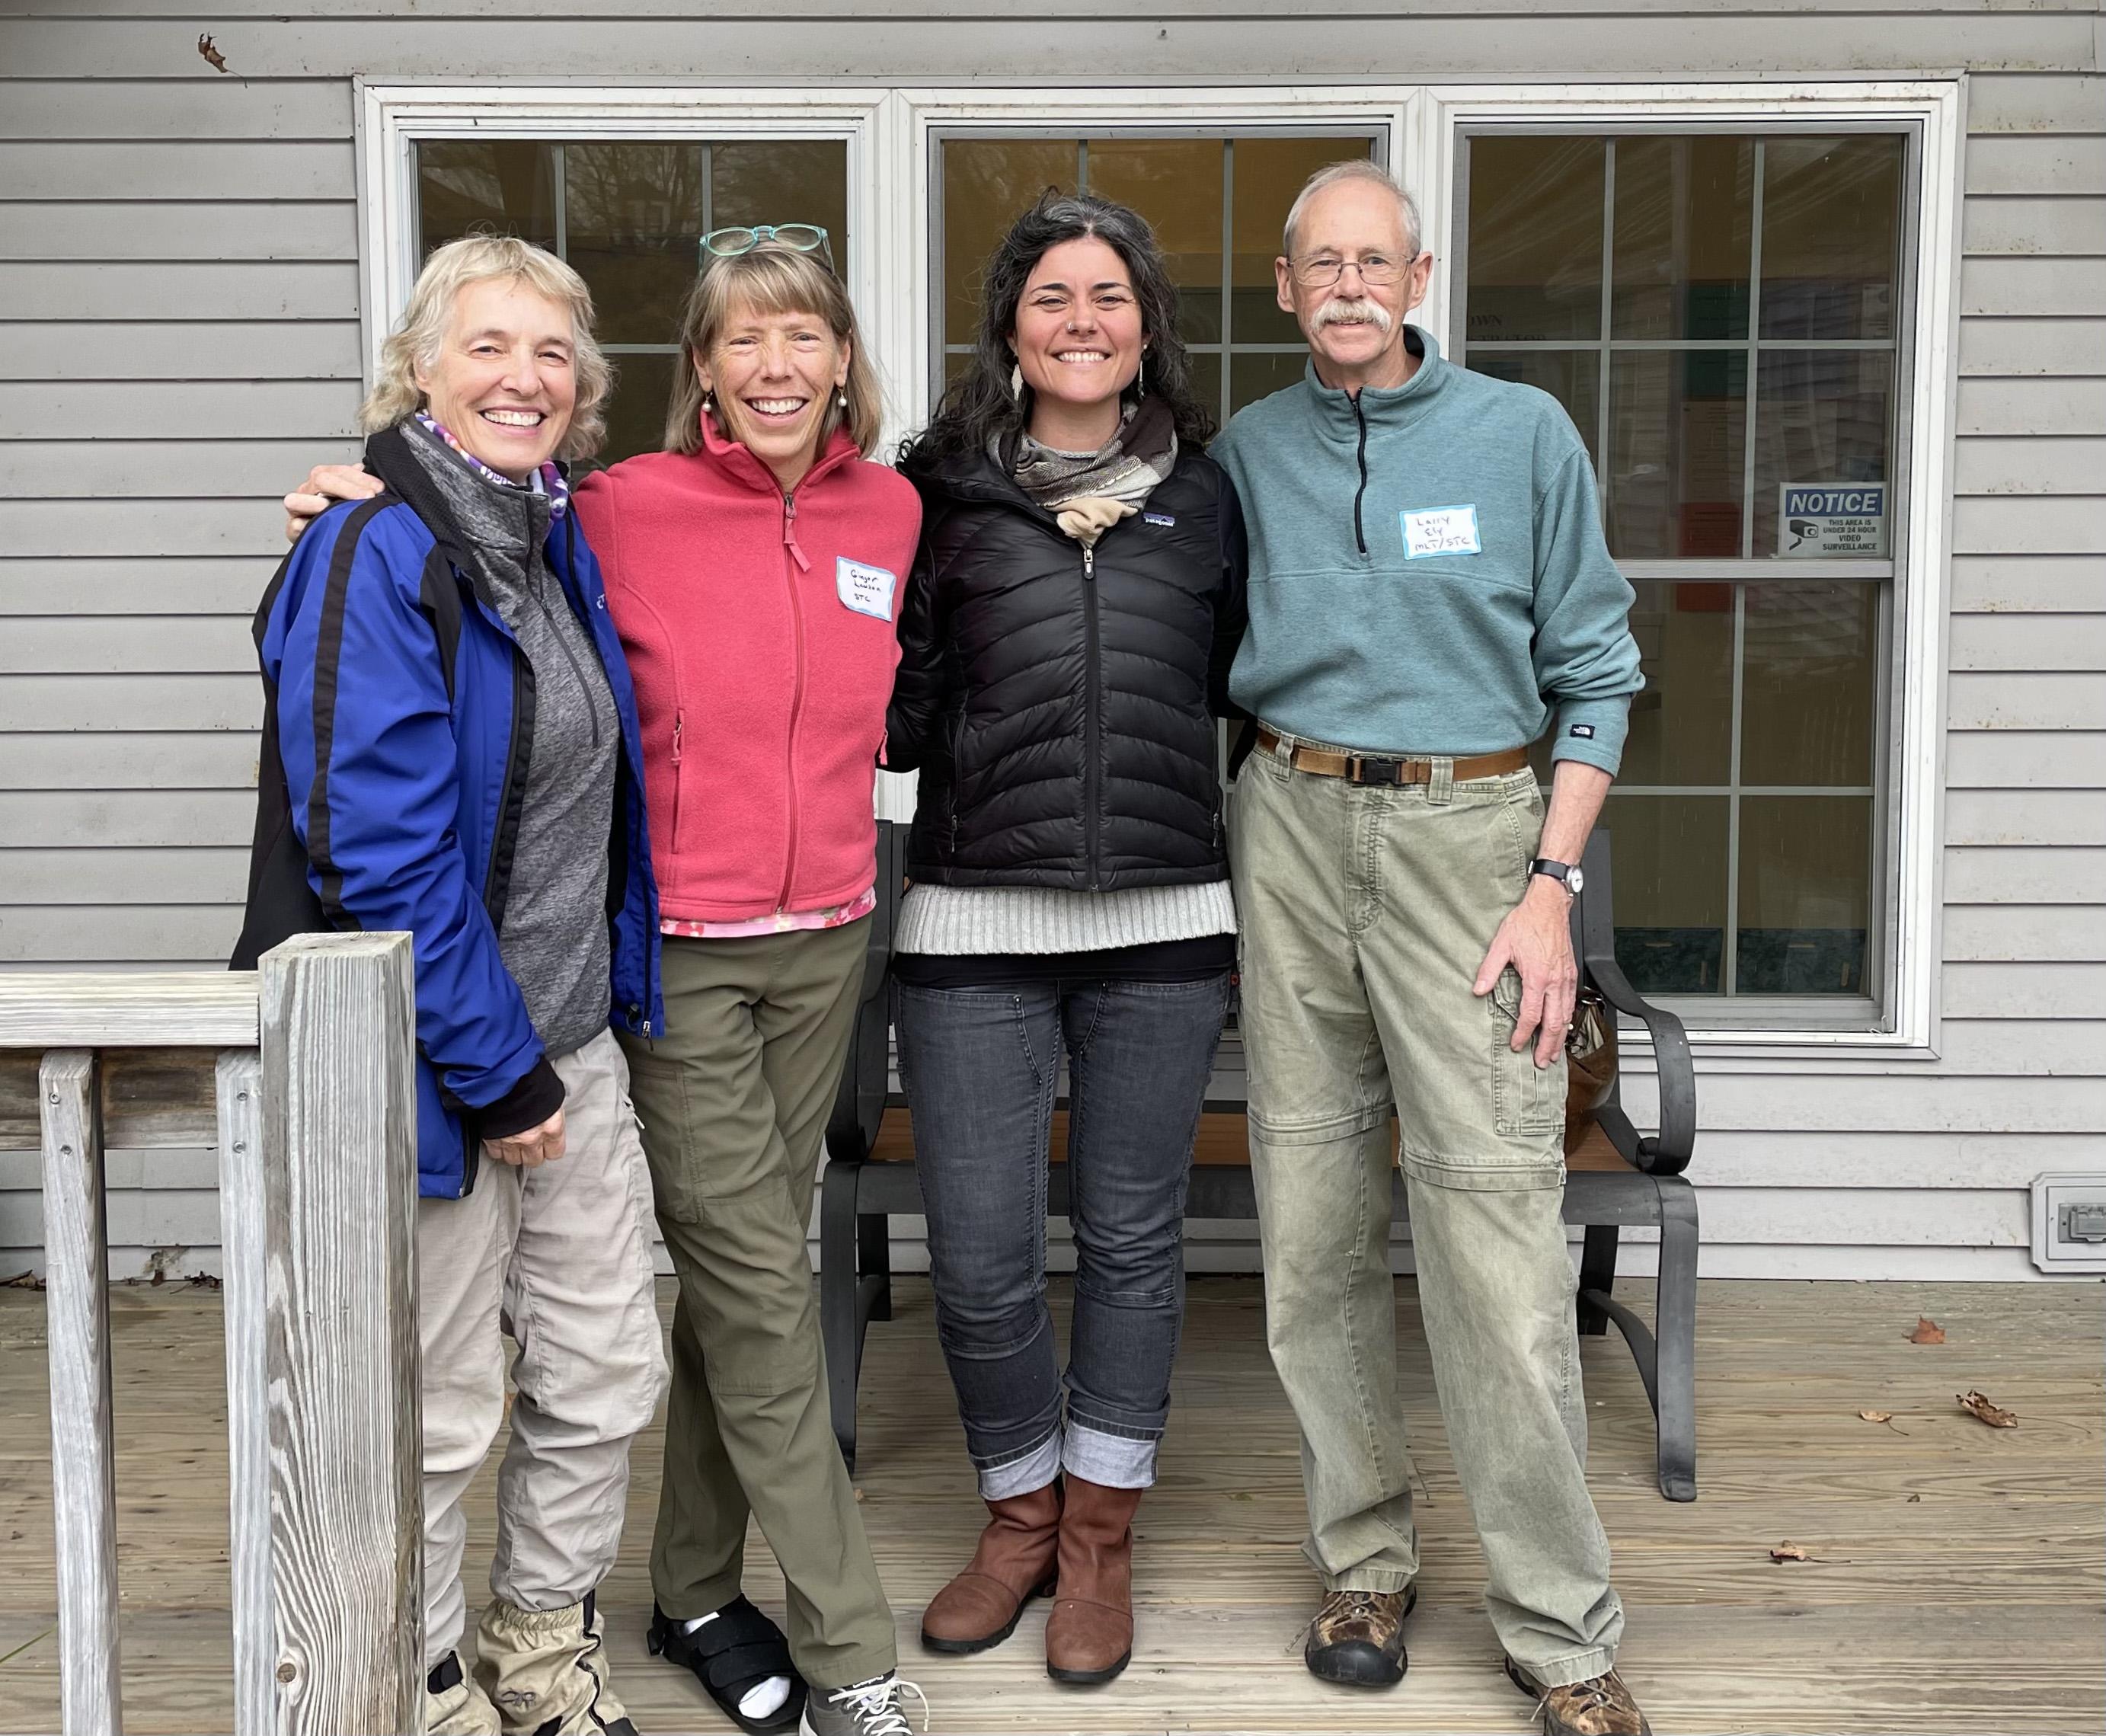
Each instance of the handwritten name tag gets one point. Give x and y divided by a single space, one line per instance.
868 590
1440 530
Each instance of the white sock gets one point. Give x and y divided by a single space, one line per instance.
760 1701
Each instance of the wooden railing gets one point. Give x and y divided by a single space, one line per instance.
303 1075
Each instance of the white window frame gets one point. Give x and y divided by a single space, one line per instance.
887 130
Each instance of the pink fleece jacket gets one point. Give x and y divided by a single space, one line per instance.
759 630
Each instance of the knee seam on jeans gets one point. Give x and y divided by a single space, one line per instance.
1141 1300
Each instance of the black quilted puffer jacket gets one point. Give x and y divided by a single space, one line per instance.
1060 703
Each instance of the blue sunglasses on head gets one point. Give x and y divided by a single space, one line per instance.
801 238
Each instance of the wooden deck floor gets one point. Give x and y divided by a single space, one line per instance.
1957 1579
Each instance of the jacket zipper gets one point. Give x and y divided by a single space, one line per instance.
1092 726
1360 535
679 723
793 564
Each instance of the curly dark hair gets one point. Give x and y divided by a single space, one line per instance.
979 408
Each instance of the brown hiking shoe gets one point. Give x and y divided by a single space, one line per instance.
1357 1638
1013 1563
1601 1706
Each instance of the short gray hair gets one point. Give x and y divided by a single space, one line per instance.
1353 168
450 269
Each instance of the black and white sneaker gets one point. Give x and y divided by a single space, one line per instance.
871 1708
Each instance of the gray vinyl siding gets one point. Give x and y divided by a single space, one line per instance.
180 338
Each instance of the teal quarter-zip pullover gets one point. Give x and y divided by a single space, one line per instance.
1427 572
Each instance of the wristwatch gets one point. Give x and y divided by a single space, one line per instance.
1567 874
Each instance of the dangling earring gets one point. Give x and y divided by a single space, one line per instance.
841 395
709 403
1016 382
1140 378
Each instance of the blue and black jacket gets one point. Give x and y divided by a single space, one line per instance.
398 716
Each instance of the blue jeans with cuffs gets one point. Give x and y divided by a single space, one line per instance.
981 1069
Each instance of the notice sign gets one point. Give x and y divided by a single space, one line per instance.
1832 519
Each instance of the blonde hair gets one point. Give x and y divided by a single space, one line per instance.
770 279
416 342
1353 168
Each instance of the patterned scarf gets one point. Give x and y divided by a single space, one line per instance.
552 483
1089 492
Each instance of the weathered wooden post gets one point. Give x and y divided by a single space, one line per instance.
345 1654
76 1315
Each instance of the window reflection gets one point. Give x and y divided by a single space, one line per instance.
1745 813
1678 431
503 186
1685 213
1535 239
1831 236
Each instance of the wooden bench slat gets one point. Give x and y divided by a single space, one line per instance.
1222 1143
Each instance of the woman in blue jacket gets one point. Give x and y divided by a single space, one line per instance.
451 749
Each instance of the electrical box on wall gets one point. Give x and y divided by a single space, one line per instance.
2069 1223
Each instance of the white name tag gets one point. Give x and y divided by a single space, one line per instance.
1440 530
868 591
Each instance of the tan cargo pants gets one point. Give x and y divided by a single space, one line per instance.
1364 913
558 1256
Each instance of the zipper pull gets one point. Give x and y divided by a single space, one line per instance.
789 533
1089 562
679 719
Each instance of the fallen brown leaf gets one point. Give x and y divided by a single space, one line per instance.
213 55
1977 1405
1927 1331
1789 1552
1882 1416
22 1280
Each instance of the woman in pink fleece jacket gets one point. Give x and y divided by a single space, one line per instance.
753 568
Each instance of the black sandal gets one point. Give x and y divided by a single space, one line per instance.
731 1657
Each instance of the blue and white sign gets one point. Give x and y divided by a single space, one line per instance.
1832 519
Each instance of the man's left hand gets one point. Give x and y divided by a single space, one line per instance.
1536 940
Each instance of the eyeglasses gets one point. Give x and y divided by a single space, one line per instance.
801 238
1320 270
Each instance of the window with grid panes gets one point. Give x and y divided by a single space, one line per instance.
629 216
1215 202
1724 316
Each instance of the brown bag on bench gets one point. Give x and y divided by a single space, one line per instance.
1590 1058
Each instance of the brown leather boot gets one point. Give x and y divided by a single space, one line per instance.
1089 1636
1013 1564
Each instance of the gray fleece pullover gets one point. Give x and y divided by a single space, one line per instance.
554 939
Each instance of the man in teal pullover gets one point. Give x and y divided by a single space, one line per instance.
1429 590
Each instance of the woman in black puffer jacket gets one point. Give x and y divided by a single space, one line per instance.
1065 641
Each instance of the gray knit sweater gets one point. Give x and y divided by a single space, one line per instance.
554 939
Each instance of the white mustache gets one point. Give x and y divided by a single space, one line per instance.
1342 312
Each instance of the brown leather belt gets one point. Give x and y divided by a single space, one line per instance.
1367 768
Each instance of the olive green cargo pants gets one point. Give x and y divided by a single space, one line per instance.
734 1098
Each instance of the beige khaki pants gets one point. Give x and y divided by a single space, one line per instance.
559 1258
1365 913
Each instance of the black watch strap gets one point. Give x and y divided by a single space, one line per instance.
1560 872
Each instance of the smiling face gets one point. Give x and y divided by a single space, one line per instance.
1355 328
504 381
1078 336
773 376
